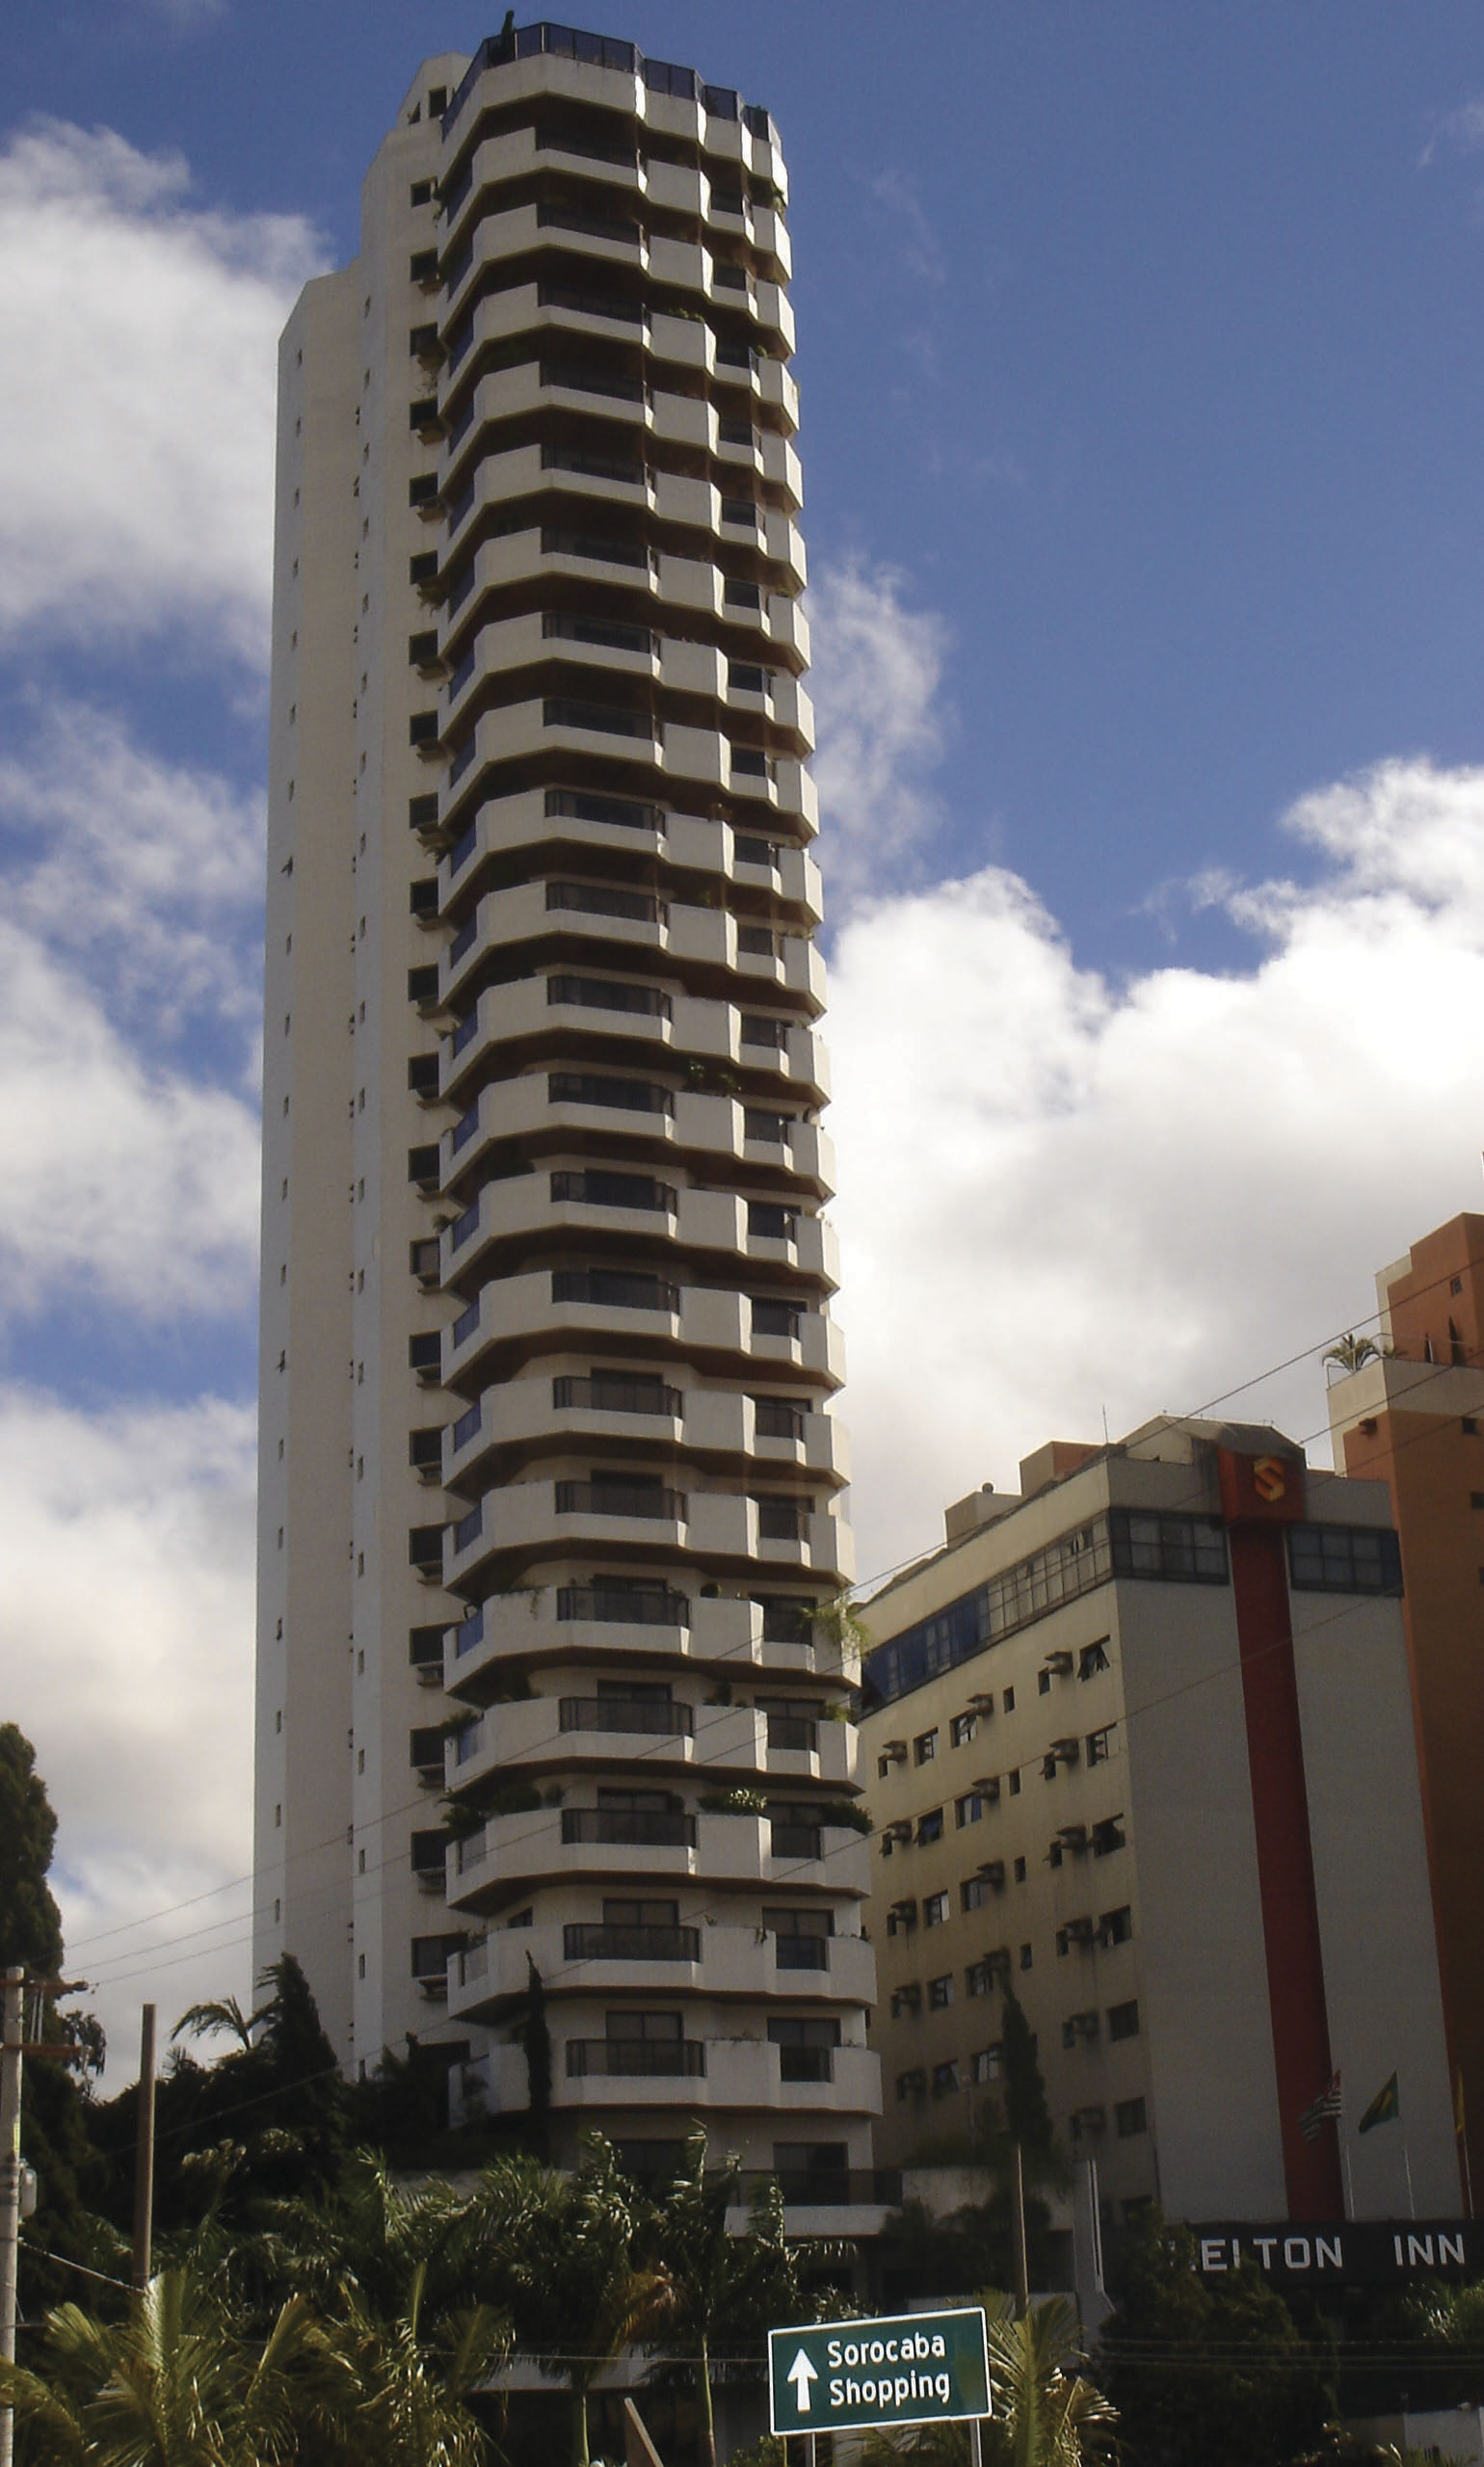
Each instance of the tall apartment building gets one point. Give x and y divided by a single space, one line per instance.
549 1485
1140 1747
1414 1417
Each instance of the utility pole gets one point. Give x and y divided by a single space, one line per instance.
11 2040
1017 2231
144 2155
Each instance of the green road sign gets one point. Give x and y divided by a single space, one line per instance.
911 2369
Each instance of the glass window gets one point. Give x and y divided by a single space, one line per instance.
1130 2118
969 1809
945 2077
940 1992
962 1729
1343 1558
930 1825
983 2064
935 1910
1124 2020
924 1747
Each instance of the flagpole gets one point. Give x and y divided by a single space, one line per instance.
1407 2165
1345 2155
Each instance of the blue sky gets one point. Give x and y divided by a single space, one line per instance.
1141 356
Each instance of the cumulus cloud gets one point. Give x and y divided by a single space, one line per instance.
1458 132
126 1628
1062 1197
143 496
135 1185
877 685
171 856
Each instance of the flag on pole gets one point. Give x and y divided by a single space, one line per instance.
1328 2108
1384 2109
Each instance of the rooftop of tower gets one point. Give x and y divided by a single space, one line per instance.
604 51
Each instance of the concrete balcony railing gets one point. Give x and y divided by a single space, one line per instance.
569 1622
514 156
717 1131
709 938
518 1415
519 1316
524 1015
547 1518
576 1845
648 826
579 1959
572 1736
661 759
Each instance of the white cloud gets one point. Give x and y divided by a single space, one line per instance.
876 682
140 492
134 1186
1458 132
151 870
126 1628
1060 1197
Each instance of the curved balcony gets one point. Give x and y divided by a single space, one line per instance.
549 1404
582 1959
549 1010
599 1625
551 1846
709 1136
695 938
734 1236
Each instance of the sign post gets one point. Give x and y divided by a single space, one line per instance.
906 2369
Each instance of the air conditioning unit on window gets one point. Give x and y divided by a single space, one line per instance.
1059 1664
1072 1838
895 1751
1080 1931
1066 1751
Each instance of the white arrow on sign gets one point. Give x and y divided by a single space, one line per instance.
802 2372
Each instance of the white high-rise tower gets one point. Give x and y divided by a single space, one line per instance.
549 1486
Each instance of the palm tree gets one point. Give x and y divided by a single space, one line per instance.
1053 2418
222 2017
719 2282
175 2384
395 2398
558 2252
1351 1352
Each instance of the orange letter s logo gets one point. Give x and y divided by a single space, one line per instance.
1269 1479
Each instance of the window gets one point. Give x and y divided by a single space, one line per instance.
1008 1700
935 1910
1108 1834
969 1809
1099 1744
962 1729
1476 1498
1124 2020
910 2085
1185 1549
1079 2027
1116 1927
421 193
983 2064
1455 1284
976 1893
941 1993
979 1977
905 1999
1092 1659
1014 1781
924 1747
1468 1427
945 2077
1343 1558
1026 1957
1043 1683
1129 2119
1019 1871
930 1825
884 1764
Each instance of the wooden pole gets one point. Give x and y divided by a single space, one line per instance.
1018 2229
12 2038
144 2154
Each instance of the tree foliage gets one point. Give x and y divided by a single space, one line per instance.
30 1922
1218 2374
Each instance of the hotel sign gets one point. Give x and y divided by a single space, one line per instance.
1368 2252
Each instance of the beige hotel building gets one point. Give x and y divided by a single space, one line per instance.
549 1474
1139 1745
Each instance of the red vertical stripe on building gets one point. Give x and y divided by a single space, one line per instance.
1286 1873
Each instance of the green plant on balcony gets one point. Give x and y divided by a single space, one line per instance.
853 1813
734 1803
